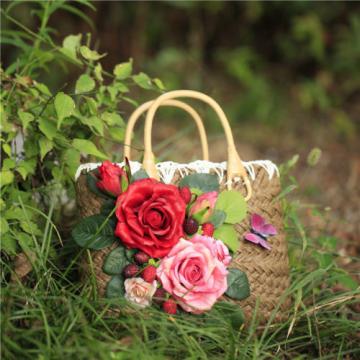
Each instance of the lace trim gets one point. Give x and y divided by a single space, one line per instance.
167 169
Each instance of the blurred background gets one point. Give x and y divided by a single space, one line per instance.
286 73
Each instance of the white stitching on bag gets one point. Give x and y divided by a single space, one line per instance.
167 169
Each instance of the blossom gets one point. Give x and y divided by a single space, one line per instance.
139 292
110 176
150 217
203 207
193 275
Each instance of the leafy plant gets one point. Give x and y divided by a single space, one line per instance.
46 134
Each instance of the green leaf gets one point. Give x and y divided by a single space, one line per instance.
231 312
7 149
108 207
4 226
30 227
115 261
47 127
26 167
115 287
26 242
64 106
92 105
26 118
130 254
88 54
95 124
218 218
140 174
8 164
45 146
238 285
143 81
123 70
113 92
117 133
71 158
233 204
84 84
8 244
6 177
113 119
98 72
347 281
93 232
70 44
159 84
204 182
227 234
43 89
87 147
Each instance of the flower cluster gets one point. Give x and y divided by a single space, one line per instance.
174 242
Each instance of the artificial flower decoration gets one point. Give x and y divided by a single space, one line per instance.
110 178
139 292
203 207
173 243
150 217
193 274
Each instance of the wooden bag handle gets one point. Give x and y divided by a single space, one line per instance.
176 103
235 167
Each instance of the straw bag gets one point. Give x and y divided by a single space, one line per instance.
260 259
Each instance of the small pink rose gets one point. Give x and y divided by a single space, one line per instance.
204 206
139 292
193 275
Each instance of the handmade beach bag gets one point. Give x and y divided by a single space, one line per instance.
185 236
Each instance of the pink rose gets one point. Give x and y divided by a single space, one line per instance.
110 176
218 248
193 275
139 292
203 207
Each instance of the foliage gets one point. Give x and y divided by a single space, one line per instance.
45 134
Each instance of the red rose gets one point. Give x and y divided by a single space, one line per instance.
150 216
110 178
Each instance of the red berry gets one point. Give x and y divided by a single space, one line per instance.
159 296
185 194
131 270
170 306
149 273
208 229
141 257
191 226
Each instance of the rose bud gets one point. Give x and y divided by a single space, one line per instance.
112 178
204 207
185 194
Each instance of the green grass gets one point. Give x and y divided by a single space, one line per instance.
53 315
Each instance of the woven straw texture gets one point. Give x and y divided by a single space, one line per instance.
267 271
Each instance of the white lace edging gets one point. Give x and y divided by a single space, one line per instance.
167 169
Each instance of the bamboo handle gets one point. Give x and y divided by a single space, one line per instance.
176 103
235 167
